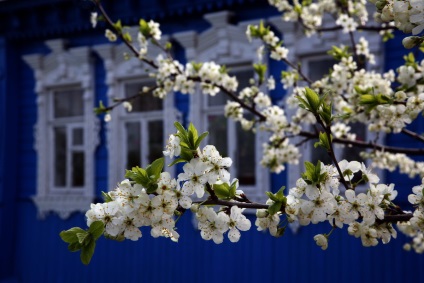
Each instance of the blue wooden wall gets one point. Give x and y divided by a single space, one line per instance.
31 248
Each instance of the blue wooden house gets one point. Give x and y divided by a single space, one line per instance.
56 156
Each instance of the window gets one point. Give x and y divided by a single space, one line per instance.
66 125
207 112
144 131
138 137
227 136
66 131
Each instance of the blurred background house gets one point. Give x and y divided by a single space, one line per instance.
56 156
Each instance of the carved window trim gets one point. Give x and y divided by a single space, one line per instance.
63 69
120 71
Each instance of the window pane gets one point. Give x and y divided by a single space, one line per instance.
319 153
155 140
60 156
77 169
245 156
133 144
320 67
221 98
78 136
145 101
217 128
68 103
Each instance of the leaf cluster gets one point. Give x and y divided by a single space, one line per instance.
370 100
147 177
316 105
279 201
225 191
84 240
189 142
323 141
313 175
339 53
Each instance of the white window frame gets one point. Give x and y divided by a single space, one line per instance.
121 71
63 69
225 44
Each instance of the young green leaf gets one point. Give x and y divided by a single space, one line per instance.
193 130
180 128
272 196
87 252
155 168
274 208
178 160
74 247
70 236
313 99
82 237
106 197
96 229
200 138
222 191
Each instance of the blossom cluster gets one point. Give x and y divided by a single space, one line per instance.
319 200
131 206
415 226
408 15
349 14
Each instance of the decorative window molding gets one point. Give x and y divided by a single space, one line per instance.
138 125
309 50
226 44
66 132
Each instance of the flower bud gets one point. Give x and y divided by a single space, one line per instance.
321 241
411 41
261 213
380 4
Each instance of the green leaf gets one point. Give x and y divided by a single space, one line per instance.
222 191
200 138
178 160
151 187
313 99
139 175
192 128
106 197
155 168
87 252
260 70
274 208
272 197
186 154
280 194
168 45
144 28
127 37
180 128
233 188
118 26
101 109
74 247
96 229
82 237
70 236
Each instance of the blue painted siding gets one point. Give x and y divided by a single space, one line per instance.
32 250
